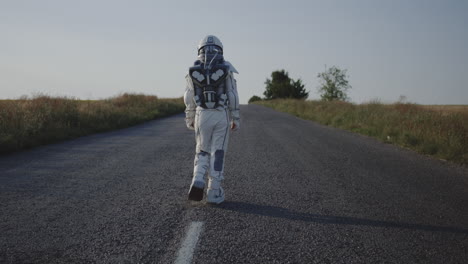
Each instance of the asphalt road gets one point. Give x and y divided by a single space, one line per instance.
297 192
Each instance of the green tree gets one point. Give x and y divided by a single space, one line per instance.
333 84
254 98
281 86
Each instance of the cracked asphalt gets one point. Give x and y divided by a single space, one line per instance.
296 192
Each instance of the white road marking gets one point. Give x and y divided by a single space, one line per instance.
185 254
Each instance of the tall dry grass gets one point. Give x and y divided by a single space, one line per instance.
29 122
442 134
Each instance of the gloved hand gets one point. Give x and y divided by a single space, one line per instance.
190 119
235 124
235 120
190 123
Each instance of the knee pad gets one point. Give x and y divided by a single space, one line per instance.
219 160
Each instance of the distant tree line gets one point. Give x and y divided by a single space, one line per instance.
333 86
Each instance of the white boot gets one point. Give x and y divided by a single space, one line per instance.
214 193
215 196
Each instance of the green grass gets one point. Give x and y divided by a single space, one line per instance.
437 131
30 122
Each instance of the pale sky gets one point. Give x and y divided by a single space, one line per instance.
93 49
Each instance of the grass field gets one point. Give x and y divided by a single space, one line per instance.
437 130
447 109
30 122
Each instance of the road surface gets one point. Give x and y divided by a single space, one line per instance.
297 192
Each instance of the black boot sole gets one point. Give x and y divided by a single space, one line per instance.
195 194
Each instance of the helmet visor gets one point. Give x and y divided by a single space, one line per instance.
210 50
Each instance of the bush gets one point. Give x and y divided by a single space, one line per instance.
281 86
254 99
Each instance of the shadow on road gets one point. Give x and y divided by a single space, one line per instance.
278 212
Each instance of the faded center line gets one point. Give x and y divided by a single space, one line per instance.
185 254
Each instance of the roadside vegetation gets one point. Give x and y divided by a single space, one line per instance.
440 131
29 122
437 130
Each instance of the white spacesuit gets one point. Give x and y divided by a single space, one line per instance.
212 108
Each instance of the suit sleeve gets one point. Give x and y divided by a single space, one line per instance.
190 104
233 97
